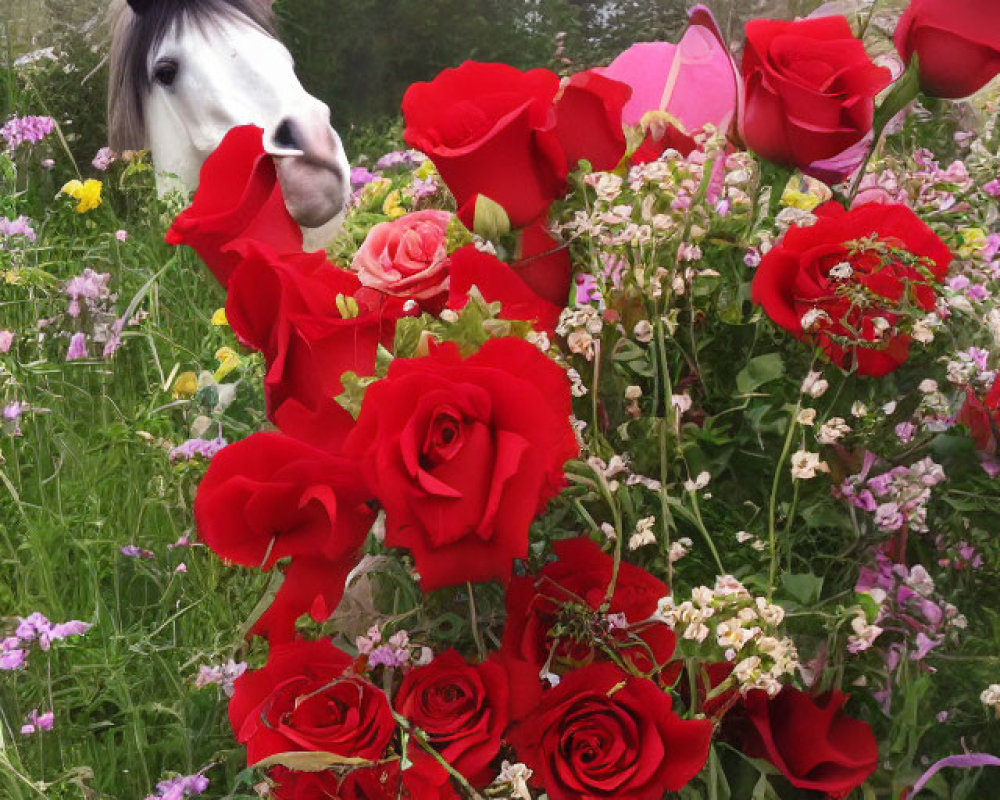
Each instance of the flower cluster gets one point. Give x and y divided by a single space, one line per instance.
26 130
36 628
745 628
488 478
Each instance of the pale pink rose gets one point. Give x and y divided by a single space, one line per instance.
407 257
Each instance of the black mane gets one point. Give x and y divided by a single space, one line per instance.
134 36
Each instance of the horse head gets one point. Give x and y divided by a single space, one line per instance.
184 72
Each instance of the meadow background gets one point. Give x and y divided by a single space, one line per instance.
87 469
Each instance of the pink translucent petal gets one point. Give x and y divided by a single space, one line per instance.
695 80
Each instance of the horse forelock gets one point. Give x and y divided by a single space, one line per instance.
135 36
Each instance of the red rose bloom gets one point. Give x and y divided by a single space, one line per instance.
489 129
604 733
387 782
313 322
461 709
463 454
810 92
291 785
982 418
269 497
238 196
581 576
958 44
497 282
589 120
814 744
849 281
305 699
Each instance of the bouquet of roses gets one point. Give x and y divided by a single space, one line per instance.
633 434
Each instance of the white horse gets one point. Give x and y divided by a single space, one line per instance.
184 72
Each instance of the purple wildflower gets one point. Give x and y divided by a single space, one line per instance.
361 177
17 227
400 158
180 787
77 347
223 676
193 448
26 130
88 287
38 722
6 341
134 551
104 158
121 235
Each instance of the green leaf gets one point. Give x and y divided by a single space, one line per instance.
309 761
804 587
354 392
758 371
491 220
903 92
408 331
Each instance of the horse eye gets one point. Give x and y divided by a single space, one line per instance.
165 72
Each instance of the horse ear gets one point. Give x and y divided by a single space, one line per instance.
140 6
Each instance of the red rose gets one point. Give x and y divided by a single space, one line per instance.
497 282
312 321
290 785
269 497
814 744
982 418
408 257
387 782
238 196
604 733
463 454
489 129
581 577
589 120
461 709
810 92
305 699
848 282
958 44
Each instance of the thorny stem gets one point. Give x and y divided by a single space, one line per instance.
421 740
474 621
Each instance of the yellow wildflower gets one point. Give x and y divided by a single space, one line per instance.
805 194
228 360
87 194
425 170
185 385
219 318
392 207
973 240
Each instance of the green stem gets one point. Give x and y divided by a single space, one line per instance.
772 506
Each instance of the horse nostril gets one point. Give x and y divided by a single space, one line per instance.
284 135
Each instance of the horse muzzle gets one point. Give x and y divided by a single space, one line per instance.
312 168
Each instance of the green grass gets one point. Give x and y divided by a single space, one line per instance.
89 476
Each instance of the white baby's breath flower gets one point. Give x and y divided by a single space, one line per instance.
806 465
643 331
643 534
815 385
928 386
698 483
807 416
833 430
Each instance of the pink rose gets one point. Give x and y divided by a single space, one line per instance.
407 257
